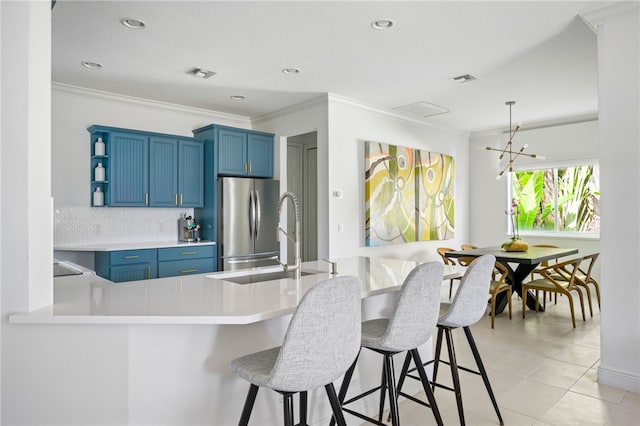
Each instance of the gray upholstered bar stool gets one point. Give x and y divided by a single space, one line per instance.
412 323
321 342
468 306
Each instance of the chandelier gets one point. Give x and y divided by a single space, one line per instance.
508 149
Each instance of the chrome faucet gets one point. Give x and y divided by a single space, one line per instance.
296 240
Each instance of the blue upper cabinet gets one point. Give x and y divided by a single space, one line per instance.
232 152
190 173
128 173
260 155
163 172
244 152
148 169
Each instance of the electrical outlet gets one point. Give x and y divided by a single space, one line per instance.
161 226
98 229
279 400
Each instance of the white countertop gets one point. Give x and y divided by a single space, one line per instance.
205 298
129 246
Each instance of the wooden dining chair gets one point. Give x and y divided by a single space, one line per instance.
468 247
558 285
543 265
448 261
584 277
499 285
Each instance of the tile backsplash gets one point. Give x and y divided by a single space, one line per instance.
87 225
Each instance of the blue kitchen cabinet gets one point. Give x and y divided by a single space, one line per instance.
176 170
128 171
190 173
240 152
187 260
127 265
163 172
260 155
148 169
232 152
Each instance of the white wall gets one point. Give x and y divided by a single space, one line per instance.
619 101
350 124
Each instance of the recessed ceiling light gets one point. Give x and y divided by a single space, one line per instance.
291 70
134 24
463 78
382 24
201 73
237 97
92 65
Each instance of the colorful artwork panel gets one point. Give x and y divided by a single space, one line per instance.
435 199
389 194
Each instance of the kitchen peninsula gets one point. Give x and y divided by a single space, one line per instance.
181 333
206 298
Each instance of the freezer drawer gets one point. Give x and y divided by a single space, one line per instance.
244 262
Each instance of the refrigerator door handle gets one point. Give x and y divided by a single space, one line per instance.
252 215
258 214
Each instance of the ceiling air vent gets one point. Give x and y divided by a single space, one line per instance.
423 109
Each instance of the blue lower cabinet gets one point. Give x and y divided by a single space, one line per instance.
119 274
175 268
127 265
133 265
188 260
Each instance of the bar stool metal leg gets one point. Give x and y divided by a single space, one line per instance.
287 406
425 385
345 386
483 372
335 405
391 386
248 405
436 358
454 373
383 390
303 409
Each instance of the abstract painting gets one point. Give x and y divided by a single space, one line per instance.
435 202
390 200
408 195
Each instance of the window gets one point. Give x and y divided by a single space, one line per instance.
559 200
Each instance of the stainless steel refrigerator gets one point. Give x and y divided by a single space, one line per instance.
247 221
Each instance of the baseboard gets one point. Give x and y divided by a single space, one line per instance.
619 379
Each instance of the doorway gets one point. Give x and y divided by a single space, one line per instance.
302 180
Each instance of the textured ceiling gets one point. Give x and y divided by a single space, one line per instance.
538 53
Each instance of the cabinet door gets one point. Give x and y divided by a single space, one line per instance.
190 173
260 155
129 170
232 152
140 271
163 172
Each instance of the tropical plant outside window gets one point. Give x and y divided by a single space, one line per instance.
561 200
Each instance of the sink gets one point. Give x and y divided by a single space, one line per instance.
265 276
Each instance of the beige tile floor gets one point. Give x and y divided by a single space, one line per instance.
543 372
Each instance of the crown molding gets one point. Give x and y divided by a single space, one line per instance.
609 14
310 103
84 92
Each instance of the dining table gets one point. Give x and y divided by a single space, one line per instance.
525 261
